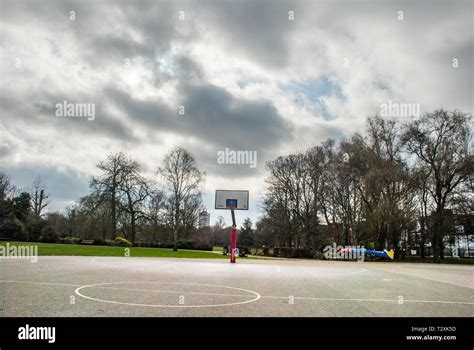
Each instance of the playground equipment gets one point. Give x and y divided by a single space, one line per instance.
382 254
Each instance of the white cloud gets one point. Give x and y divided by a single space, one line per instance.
243 54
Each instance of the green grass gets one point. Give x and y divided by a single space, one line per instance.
217 249
96 250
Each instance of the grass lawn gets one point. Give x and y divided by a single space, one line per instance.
96 250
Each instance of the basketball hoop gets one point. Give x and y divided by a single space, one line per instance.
233 200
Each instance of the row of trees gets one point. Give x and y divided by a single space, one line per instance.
395 186
122 202
21 211
395 183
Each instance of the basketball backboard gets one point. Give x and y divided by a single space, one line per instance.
232 199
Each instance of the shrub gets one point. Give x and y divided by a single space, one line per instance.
48 235
191 245
244 251
292 253
319 255
202 246
183 244
70 240
14 229
122 242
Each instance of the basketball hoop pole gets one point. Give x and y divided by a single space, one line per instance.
233 244
233 200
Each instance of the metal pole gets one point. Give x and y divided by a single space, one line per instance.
233 244
233 218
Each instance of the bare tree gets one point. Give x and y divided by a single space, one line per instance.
440 141
107 185
290 200
7 189
134 191
420 187
94 219
71 215
344 178
220 222
387 191
155 211
183 178
360 187
192 207
39 197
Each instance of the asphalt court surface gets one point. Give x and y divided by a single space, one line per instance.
128 286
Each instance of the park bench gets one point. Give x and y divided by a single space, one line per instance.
87 241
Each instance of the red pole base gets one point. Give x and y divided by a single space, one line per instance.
233 244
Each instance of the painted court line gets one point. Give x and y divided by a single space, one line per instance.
257 296
374 300
406 274
46 283
173 291
235 295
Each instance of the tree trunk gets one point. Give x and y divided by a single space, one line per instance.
422 245
398 253
422 236
381 241
175 239
441 247
437 237
176 223
133 230
114 219
435 243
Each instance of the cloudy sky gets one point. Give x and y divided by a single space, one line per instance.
268 76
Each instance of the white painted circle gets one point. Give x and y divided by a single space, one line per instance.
257 296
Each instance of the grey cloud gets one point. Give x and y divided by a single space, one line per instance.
39 113
4 149
106 32
211 114
259 30
207 161
62 185
232 122
104 123
154 23
117 48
